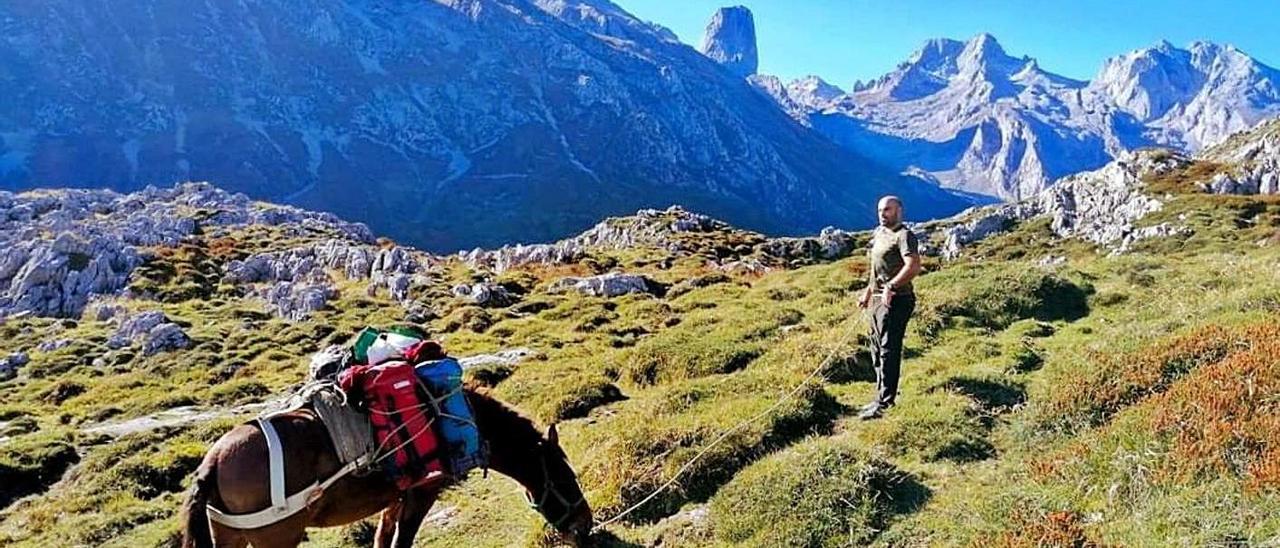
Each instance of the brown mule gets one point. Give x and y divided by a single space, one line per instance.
233 478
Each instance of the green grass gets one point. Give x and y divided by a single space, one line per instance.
822 492
1035 405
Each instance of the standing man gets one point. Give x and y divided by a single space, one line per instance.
895 261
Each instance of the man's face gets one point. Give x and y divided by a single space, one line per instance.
890 213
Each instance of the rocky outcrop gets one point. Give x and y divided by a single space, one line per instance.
613 284
297 300
56 278
830 244
1099 206
730 39
299 281
958 236
152 330
651 228
64 246
1252 159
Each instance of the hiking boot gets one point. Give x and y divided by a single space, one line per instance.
873 411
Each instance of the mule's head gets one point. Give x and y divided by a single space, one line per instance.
554 491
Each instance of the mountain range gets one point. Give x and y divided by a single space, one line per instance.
975 118
445 124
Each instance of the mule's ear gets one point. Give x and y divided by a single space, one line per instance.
552 435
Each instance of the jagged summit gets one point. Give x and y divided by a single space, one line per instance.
973 117
1190 98
980 66
730 39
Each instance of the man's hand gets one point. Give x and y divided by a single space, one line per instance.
888 295
865 300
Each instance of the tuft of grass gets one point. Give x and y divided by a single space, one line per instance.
821 492
634 451
32 464
995 297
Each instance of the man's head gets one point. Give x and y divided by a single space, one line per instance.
890 211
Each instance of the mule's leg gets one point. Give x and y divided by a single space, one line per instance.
387 524
417 503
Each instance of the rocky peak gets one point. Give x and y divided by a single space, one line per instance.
979 67
1149 81
984 60
813 92
1200 94
604 18
730 40
982 48
937 55
927 71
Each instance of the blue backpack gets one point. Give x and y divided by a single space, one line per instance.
457 424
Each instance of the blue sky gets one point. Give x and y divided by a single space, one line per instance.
845 40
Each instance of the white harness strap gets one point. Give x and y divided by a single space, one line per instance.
275 463
281 506
292 505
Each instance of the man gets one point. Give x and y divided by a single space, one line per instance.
895 261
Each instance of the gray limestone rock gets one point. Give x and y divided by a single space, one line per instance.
730 39
609 285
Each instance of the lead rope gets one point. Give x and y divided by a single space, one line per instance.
848 332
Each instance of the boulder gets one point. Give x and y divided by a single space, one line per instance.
297 301
753 267
103 311
136 328
508 358
484 294
164 338
10 364
613 284
51 345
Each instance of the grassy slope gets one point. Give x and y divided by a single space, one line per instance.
1039 406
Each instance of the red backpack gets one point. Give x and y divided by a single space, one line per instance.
401 417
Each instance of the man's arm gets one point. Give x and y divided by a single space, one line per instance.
865 299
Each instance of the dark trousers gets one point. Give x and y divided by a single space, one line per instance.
888 327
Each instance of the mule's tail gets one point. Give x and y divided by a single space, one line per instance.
195 513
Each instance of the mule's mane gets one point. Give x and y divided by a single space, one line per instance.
500 418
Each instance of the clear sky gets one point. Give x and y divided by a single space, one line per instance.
847 40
